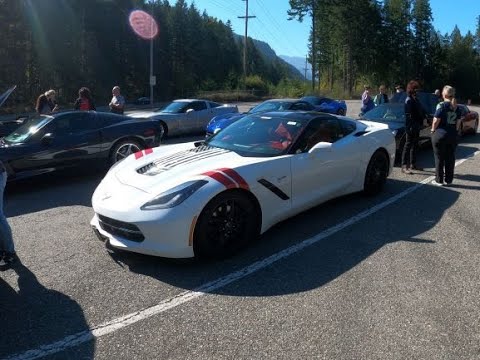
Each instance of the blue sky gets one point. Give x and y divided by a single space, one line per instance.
291 37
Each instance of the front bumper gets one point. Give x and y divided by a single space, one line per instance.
160 238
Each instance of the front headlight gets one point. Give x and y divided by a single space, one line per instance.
174 196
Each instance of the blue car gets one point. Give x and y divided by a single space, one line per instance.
327 105
222 121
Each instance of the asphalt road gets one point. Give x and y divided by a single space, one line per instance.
390 277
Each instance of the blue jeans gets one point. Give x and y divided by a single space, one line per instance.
6 239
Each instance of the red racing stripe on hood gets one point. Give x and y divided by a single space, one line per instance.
236 177
148 151
138 155
222 179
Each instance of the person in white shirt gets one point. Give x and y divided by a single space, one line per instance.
117 104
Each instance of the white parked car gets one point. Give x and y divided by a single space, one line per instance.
210 198
186 116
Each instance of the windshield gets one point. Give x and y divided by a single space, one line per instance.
271 106
260 136
175 107
28 129
386 113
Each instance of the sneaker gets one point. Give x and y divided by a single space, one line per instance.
414 167
448 183
434 182
406 170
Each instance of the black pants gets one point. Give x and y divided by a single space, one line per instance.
444 146
409 155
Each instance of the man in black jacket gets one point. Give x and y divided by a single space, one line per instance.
414 116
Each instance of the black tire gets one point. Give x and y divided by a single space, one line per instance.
124 148
376 174
164 130
341 112
226 225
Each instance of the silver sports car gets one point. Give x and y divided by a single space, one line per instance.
186 116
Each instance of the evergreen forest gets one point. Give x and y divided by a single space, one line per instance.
67 44
389 42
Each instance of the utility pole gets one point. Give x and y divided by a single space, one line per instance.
305 68
314 45
246 17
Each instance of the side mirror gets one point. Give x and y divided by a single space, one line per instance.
189 111
21 119
321 147
47 139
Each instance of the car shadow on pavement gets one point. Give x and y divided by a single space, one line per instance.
34 316
51 191
318 264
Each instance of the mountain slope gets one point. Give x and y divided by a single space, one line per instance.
299 63
270 57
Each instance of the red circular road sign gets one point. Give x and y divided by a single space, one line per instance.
143 24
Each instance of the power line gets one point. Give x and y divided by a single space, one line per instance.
279 29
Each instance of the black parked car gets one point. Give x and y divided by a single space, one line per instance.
393 114
43 144
142 101
7 126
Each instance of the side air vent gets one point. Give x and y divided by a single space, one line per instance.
274 189
145 168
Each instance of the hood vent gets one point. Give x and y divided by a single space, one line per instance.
181 158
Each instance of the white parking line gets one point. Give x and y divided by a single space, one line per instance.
124 321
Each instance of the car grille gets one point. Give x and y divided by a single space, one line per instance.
123 229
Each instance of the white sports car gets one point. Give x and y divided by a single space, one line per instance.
210 198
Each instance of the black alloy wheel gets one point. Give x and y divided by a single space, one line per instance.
226 225
376 174
123 149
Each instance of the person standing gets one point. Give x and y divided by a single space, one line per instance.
399 95
381 97
84 101
414 116
117 104
7 248
438 95
46 103
444 136
367 102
